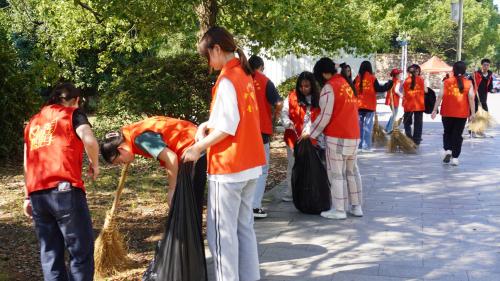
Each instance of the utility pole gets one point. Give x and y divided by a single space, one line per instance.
460 28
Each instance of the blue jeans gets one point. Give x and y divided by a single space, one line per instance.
261 181
62 221
366 129
390 123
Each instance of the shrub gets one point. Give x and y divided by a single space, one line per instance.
286 86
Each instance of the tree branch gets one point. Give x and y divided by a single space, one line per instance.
97 16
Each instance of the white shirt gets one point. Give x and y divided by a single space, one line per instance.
326 101
225 117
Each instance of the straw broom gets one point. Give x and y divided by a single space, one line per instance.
483 119
398 140
110 253
378 136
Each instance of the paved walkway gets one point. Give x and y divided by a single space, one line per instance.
423 221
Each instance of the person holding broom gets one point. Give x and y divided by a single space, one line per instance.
457 97
414 104
162 138
54 142
338 121
235 155
392 98
483 81
367 86
300 109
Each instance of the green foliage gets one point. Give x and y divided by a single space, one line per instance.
18 99
288 85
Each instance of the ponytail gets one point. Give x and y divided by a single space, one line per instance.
243 61
459 69
413 80
460 82
63 92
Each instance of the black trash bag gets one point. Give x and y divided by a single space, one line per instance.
430 100
310 185
180 255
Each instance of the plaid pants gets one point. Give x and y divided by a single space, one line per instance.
345 180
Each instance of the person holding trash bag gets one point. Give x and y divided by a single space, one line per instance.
54 142
300 109
367 86
164 139
180 254
235 154
338 120
457 96
414 103
392 98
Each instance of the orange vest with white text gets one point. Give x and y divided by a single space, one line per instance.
245 149
265 111
177 134
455 103
344 122
54 153
392 92
368 96
296 113
413 100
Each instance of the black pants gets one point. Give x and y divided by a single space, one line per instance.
415 118
452 137
199 184
483 97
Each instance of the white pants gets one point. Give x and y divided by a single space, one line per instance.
261 181
230 233
291 162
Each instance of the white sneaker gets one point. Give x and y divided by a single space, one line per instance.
287 198
454 161
356 211
366 150
446 156
334 214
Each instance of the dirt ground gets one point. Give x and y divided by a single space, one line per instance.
140 217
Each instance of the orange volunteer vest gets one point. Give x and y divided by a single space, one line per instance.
344 122
265 111
413 100
455 103
296 113
54 153
392 92
177 134
368 97
245 149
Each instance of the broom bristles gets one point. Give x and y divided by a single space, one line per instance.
400 141
378 136
482 121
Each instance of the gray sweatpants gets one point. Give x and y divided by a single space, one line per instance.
230 233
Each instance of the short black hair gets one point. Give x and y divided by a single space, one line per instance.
255 62
485 61
63 91
323 65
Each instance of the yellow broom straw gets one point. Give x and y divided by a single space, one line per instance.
483 119
110 252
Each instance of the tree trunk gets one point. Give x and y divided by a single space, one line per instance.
207 15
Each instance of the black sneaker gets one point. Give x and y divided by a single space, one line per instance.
259 213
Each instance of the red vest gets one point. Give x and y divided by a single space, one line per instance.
265 111
296 113
54 153
455 103
368 96
244 150
344 122
478 77
413 100
392 92
177 134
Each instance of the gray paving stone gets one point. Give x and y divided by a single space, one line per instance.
483 276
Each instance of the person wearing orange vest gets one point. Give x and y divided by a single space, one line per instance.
267 100
300 109
392 98
338 121
162 138
414 90
457 96
54 142
483 79
367 86
235 155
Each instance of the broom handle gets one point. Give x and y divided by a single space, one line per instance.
475 88
119 190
